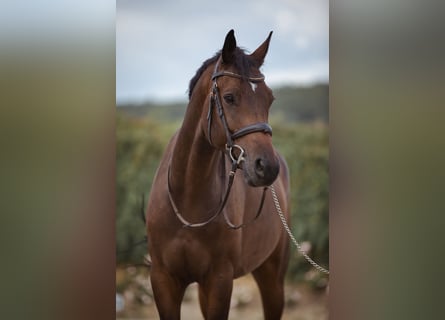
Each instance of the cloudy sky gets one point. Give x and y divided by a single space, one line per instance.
161 44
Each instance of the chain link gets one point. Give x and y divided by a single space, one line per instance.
291 236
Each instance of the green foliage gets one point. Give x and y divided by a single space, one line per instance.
141 141
305 148
140 144
163 112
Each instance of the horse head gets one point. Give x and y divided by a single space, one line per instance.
238 109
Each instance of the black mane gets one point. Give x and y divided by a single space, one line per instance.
242 62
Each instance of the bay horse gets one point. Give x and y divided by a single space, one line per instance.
205 223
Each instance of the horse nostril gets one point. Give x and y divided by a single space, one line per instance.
262 171
259 167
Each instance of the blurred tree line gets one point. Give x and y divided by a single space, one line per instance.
299 119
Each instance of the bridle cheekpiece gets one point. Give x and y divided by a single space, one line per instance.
215 101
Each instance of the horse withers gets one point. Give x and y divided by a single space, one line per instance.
207 222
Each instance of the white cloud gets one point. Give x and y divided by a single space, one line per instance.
159 45
301 42
302 75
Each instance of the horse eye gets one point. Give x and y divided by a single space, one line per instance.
229 98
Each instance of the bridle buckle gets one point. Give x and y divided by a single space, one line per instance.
233 157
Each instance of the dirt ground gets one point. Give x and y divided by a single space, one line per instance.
133 285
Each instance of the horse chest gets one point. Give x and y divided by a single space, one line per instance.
192 254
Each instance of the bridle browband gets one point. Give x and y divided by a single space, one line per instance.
230 147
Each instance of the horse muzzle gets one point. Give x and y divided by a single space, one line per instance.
261 171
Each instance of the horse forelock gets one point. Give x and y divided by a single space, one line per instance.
242 63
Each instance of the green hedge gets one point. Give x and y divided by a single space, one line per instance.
306 150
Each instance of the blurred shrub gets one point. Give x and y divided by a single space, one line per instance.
302 104
140 144
306 150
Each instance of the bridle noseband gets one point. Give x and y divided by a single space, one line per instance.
236 160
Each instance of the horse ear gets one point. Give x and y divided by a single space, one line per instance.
260 53
229 47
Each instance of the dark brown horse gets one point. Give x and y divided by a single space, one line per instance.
205 223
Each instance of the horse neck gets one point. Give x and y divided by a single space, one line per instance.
196 166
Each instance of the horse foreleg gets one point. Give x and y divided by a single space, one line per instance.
270 280
214 295
168 293
203 301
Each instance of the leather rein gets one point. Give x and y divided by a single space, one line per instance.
230 147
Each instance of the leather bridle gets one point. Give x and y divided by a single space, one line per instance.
216 101
231 137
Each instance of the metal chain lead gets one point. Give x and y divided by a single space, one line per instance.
291 236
